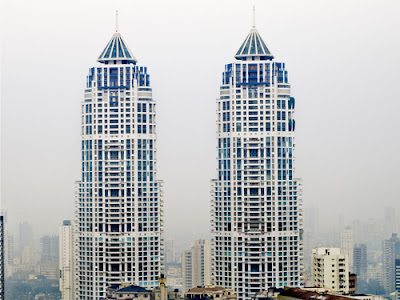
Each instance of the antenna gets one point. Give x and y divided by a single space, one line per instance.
116 20
254 16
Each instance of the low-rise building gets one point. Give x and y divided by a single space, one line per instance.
210 292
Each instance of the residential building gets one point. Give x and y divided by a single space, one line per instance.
210 292
196 265
347 245
330 269
256 215
66 260
118 209
390 251
360 261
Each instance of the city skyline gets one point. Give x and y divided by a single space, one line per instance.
349 151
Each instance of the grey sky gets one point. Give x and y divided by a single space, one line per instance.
343 61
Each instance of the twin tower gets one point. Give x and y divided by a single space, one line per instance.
256 206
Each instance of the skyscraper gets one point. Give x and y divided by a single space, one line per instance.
119 206
256 217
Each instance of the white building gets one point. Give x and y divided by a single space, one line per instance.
196 265
66 260
330 269
118 208
347 245
256 214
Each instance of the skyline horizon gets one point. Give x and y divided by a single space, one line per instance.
167 160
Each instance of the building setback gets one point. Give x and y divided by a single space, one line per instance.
256 217
119 206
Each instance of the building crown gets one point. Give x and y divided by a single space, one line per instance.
253 46
116 50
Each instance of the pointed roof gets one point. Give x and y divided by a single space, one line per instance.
117 49
253 45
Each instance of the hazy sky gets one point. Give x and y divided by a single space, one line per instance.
343 59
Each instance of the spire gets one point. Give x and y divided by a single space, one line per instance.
254 16
116 20
253 45
116 50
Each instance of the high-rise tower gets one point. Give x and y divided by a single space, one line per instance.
119 207
256 217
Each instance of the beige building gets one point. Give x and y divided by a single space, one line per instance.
196 265
330 269
66 262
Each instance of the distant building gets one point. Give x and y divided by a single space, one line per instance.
389 219
28 259
375 272
49 247
196 265
210 292
347 245
329 269
25 235
360 261
169 251
2 257
391 251
66 260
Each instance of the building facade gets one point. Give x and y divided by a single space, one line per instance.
256 211
119 207
196 265
330 269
